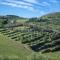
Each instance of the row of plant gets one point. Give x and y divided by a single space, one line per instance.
37 41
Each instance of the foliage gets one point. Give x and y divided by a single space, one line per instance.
39 37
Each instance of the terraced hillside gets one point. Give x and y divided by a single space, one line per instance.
46 41
36 38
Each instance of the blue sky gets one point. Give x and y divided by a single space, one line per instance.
29 8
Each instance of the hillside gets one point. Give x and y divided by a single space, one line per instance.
35 39
48 17
53 18
11 19
11 50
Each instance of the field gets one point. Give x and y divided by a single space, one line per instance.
22 20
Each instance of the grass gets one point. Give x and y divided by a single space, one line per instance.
10 48
22 20
22 28
52 56
46 56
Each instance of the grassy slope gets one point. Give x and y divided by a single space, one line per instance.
45 56
10 48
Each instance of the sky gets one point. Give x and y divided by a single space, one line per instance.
29 8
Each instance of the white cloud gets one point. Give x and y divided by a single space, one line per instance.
45 4
31 1
48 3
19 2
27 4
11 4
54 1
18 5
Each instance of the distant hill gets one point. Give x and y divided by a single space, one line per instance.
50 18
10 17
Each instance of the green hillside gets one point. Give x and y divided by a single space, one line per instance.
11 50
31 39
53 18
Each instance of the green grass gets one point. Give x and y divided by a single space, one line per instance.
10 48
21 28
22 20
46 56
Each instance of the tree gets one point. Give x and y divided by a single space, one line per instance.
3 22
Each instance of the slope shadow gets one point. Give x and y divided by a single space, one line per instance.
47 47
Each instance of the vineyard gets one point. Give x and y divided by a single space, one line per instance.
37 41
30 38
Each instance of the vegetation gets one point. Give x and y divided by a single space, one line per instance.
30 39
